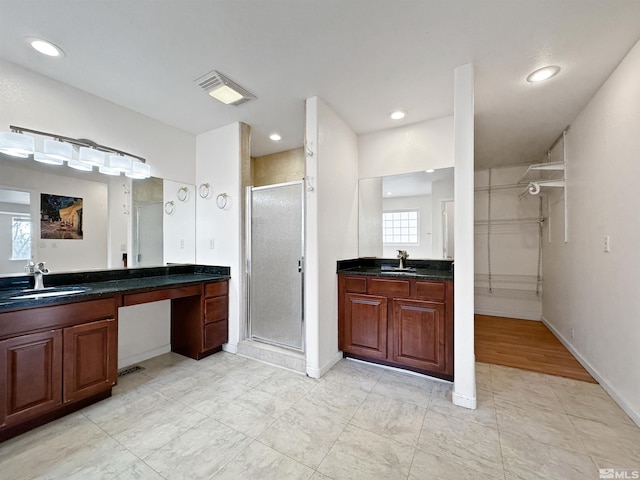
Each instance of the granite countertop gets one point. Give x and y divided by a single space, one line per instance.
386 267
92 285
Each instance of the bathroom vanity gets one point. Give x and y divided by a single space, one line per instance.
59 346
401 318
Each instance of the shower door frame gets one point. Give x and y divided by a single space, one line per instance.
301 264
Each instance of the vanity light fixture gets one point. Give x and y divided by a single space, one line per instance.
17 144
397 115
275 137
45 47
223 89
543 73
58 149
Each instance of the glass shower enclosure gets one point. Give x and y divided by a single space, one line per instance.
275 264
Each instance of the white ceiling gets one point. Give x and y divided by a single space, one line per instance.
363 57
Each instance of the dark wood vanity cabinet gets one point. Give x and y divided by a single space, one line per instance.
55 357
406 323
200 326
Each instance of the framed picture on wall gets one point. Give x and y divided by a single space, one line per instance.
60 217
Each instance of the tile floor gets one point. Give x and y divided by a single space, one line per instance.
228 417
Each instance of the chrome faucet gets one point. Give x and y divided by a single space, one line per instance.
37 270
402 255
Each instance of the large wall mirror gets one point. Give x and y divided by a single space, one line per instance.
107 218
412 212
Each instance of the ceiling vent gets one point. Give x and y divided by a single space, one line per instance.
224 89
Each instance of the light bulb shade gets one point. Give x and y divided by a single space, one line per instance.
108 170
139 171
78 165
121 163
44 158
16 144
58 150
91 156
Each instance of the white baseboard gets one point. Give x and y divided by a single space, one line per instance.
519 314
141 357
314 372
230 347
610 389
464 401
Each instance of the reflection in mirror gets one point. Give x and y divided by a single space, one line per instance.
412 212
15 230
146 218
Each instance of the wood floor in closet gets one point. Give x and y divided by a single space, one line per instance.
524 344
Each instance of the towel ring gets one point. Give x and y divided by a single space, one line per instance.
170 207
221 201
183 194
204 190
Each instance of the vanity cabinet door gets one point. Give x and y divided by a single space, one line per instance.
365 325
90 359
30 376
420 334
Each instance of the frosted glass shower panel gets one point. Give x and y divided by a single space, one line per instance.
276 314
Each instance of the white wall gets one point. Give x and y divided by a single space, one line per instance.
464 390
179 228
422 203
441 190
33 101
587 290
7 212
331 227
406 149
218 163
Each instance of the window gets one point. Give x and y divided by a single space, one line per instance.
400 227
21 238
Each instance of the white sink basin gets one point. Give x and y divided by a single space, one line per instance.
35 294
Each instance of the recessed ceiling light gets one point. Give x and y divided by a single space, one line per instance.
275 137
431 170
397 114
389 193
45 47
543 73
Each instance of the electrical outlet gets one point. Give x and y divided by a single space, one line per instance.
606 243
123 247
212 243
571 333
182 243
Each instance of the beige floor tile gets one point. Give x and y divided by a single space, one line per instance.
483 376
288 386
468 443
319 476
252 375
528 459
139 471
252 412
484 413
354 374
261 462
208 397
147 433
358 454
588 400
199 453
427 466
517 387
335 399
544 426
304 434
405 388
389 418
72 448
615 443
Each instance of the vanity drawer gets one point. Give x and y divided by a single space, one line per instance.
215 309
390 288
216 289
430 290
355 284
215 334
